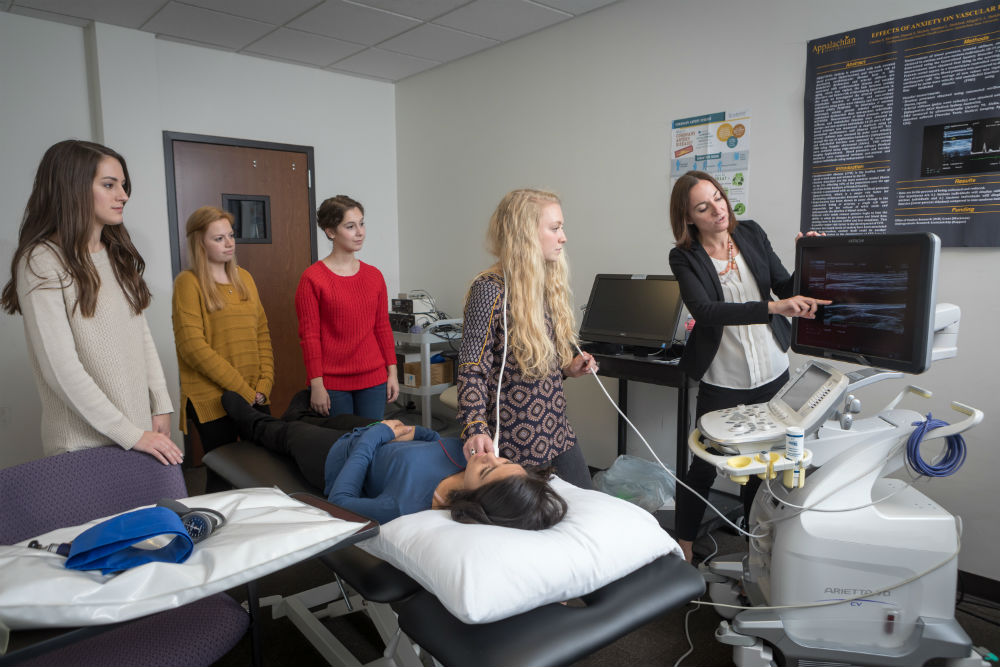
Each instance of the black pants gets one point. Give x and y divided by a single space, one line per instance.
701 474
217 432
571 467
308 441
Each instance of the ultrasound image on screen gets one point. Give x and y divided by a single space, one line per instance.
860 294
882 289
879 316
845 278
869 293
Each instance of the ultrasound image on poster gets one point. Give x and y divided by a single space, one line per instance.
902 131
971 147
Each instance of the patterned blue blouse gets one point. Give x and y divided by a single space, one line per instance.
534 426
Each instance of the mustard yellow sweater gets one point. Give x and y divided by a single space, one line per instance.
227 349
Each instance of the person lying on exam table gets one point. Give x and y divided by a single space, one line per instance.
386 469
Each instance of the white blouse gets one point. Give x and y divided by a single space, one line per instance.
748 355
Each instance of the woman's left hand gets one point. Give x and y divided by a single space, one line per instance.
161 424
392 387
581 364
810 233
259 399
400 431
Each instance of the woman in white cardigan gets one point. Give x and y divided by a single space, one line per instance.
77 279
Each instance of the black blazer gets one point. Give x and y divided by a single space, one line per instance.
701 291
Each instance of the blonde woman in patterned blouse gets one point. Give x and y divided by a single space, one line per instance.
537 340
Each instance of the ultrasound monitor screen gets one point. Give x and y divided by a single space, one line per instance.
882 288
637 310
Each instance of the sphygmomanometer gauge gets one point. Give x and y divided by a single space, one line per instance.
197 525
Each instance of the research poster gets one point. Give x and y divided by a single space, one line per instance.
902 128
718 143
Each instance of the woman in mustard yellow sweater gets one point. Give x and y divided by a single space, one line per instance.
220 330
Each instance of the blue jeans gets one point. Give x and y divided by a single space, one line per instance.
369 403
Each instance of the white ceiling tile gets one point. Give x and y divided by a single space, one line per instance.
501 19
128 13
206 26
268 11
303 47
418 9
435 42
382 64
352 23
49 16
576 7
411 35
192 42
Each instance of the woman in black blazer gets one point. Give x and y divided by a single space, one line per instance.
727 273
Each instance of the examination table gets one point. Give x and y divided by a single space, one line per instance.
553 634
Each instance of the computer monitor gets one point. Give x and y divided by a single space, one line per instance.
883 291
632 309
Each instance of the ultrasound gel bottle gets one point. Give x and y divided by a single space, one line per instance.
794 451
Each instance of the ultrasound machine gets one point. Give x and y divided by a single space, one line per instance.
845 564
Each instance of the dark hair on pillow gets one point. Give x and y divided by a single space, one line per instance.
526 501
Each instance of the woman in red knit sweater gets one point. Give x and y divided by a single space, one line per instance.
343 314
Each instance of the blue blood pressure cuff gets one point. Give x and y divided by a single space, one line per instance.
166 533
153 534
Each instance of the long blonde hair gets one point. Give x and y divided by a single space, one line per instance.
198 260
534 286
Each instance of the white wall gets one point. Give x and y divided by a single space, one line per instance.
585 108
141 86
44 100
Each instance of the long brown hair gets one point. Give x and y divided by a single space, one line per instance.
60 214
195 228
534 286
679 201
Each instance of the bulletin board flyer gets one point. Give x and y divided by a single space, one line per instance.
718 143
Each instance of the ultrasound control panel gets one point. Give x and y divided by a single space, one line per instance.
806 401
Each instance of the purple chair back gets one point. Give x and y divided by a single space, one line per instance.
75 487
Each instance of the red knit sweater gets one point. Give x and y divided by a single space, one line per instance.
344 327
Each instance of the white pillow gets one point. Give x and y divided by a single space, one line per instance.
486 573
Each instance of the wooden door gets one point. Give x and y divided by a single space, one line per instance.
203 174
